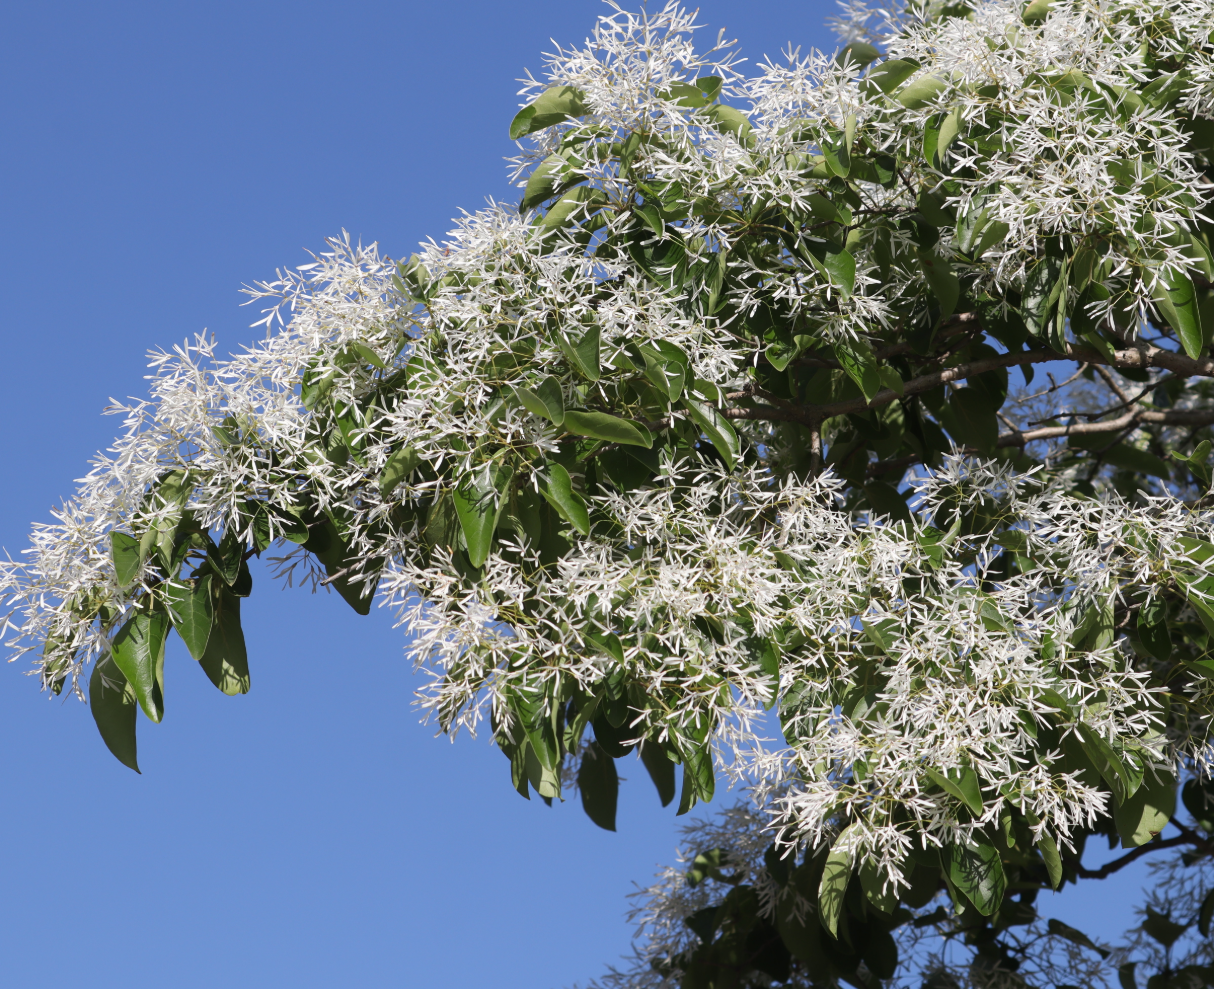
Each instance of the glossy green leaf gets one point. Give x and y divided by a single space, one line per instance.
226 660
552 106
582 354
226 558
124 550
1039 286
599 785
113 704
477 505
1147 812
717 428
835 877
1051 857
608 428
975 869
399 466
837 264
191 612
961 783
138 651
1178 300
855 357
660 769
560 493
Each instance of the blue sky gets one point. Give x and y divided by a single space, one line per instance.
311 834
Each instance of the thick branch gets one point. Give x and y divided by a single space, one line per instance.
1106 870
1175 417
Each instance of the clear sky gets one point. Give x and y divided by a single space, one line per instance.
312 834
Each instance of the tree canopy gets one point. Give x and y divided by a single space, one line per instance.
716 433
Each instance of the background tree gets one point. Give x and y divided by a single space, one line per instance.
718 424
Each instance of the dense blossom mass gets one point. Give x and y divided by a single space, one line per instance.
718 422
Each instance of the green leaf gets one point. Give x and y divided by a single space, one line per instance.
227 557
1145 814
400 465
836 263
1059 929
976 871
885 499
551 107
190 610
1125 973
1039 286
857 54
921 91
1036 11
124 550
699 779
580 201
1108 763
660 769
368 355
855 357
582 354
717 428
1194 797
226 660
1177 298
972 422
478 506
891 73
835 876
942 281
960 783
1163 928
1206 914
113 704
599 785
730 120
1199 463
608 642
550 175
1153 629
138 651
546 401
950 127
1049 855
608 428
560 495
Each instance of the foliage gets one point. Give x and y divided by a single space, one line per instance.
720 423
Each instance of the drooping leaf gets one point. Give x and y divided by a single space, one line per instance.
478 506
855 357
138 651
226 660
609 428
1153 629
835 877
1052 859
961 783
717 428
1178 300
1059 929
1146 813
227 557
1038 288
125 552
191 612
975 869
113 703
599 785
560 493
660 769
943 282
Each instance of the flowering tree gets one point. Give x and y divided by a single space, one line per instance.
714 437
